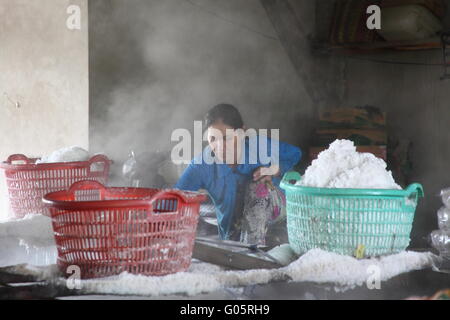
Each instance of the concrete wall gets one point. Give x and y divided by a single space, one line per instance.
160 65
44 67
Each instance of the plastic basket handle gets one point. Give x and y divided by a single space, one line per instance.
289 176
87 185
99 158
165 194
19 157
179 195
415 188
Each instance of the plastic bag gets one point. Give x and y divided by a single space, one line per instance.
444 218
445 195
441 241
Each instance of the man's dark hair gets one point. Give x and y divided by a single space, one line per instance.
226 113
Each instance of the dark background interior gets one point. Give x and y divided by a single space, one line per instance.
159 65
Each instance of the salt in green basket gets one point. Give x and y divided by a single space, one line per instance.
373 221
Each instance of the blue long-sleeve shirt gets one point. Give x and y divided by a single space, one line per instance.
221 181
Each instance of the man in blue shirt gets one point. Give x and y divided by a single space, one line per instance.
242 185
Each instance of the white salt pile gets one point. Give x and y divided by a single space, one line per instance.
315 266
69 154
33 227
29 240
341 166
348 272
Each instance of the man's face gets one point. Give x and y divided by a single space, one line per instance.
224 142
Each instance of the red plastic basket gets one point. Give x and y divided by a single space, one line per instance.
28 182
106 231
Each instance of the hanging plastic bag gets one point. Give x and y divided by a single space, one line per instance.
444 218
441 241
445 195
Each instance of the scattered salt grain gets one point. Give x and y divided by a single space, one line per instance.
315 266
341 166
128 284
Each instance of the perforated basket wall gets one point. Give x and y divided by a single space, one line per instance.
106 231
28 182
341 220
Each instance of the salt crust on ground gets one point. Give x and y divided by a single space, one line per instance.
315 266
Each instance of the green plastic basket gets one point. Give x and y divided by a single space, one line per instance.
372 221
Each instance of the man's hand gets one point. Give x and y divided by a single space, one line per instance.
265 174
